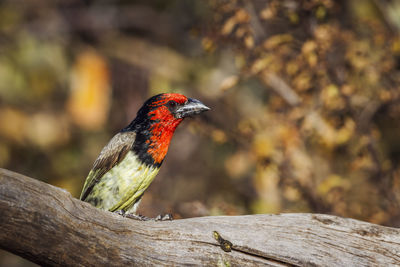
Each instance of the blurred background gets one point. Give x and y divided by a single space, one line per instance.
304 95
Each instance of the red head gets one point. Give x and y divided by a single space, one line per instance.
164 106
156 122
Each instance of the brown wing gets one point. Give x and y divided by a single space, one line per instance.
112 154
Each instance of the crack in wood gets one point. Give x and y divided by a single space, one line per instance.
255 253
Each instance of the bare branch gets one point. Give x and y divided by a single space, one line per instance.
46 225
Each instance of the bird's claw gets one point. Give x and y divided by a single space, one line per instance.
132 215
137 217
166 217
120 212
159 218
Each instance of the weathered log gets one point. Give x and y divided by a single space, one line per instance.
44 224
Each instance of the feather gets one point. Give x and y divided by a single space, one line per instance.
112 154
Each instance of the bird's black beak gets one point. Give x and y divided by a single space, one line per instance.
191 107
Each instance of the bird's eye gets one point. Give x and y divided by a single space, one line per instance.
172 104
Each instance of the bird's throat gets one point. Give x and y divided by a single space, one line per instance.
160 137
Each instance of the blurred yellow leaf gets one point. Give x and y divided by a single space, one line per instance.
277 40
268 13
347 90
218 136
396 46
292 67
229 25
89 101
385 95
357 55
249 41
323 33
331 98
208 44
293 17
238 164
331 182
312 59
241 16
321 12
291 193
229 82
241 31
363 162
321 127
263 145
346 132
261 63
302 81
245 126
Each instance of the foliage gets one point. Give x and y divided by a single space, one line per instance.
322 132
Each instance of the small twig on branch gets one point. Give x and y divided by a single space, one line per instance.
280 87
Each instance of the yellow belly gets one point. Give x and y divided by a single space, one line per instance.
123 186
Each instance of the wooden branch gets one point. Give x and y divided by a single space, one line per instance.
46 225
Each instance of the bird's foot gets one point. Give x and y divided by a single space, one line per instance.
159 218
137 217
119 212
132 215
166 217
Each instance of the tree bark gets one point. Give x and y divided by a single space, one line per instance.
44 224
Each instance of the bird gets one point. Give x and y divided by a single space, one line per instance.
127 165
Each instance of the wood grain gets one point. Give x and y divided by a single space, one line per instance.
44 224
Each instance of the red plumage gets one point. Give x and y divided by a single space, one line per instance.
164 126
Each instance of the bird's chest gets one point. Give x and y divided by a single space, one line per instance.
126 182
